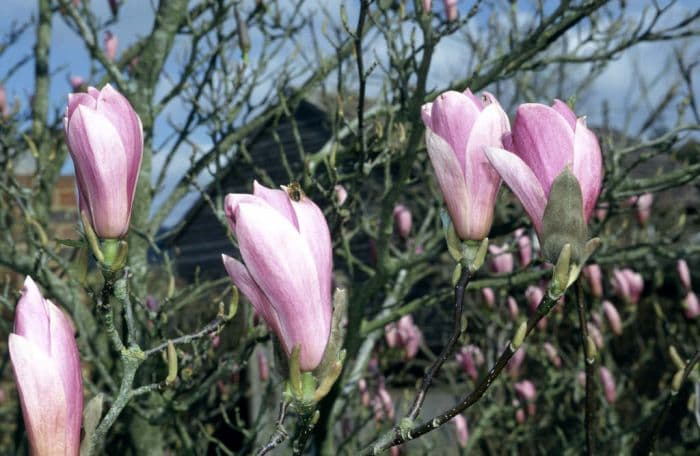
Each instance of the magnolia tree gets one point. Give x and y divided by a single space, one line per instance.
390 294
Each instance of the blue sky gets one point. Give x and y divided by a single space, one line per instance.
69 57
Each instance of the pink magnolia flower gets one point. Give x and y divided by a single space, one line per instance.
552 354
601 211
46 365
534 295
489 296
470 358
341 195
364 392
501 260
526 390
594 277
105 140
462 429
404 334
111 43
613 317
684 274
152 303
513 309
287 266
520 416
608 382
458 127
596 335
403 220
383 404
545 140
581 379
451 10
263 366
691 305
628 285
644 203
524 247
4 108
76 82
427 5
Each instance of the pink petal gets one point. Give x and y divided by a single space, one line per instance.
97 150
118 110
32 316
284 268
566 112
78 99
522 181
243 280
544 140
64 351
453 115
314 230
425 113
279 199
231 202
588 166
481 178
450 177
478 102
42 397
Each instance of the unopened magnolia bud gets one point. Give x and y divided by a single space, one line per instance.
676 358
489 297
172 364
563 221
519 337
677 381
456 273
591 350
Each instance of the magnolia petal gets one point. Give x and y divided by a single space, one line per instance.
231 202
522 181
453 115
450 177
314 229
42 397
478 102
588 166
98 151
75 100
243 280
481 178
64 351
32 317
564 109
117 109
543 139
425 113
284 267
278 199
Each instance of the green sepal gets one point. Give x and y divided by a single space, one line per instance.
563 221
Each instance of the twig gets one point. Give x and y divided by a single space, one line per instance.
210 328
590 405
447 350
399 435
647 440
308 422
280 434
